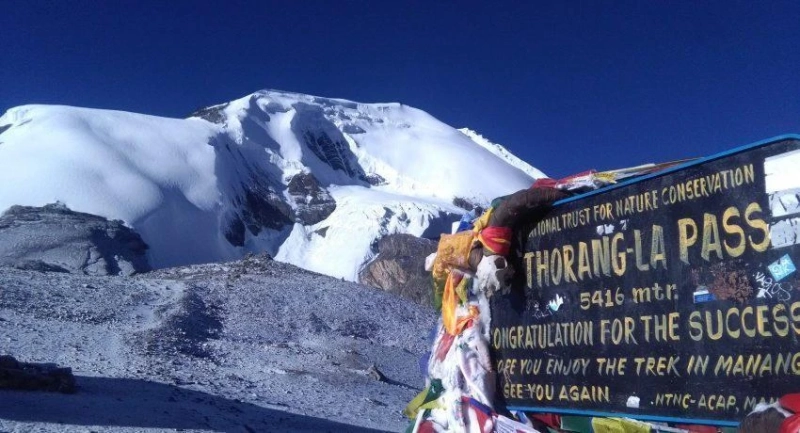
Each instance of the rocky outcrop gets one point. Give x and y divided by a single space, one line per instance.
314 204
262 207
400 267
375 179
35 377
213 114
54 238
257 207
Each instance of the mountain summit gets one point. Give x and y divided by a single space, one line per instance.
312 181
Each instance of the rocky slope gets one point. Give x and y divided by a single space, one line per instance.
252 345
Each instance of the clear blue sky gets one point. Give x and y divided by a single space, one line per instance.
564 85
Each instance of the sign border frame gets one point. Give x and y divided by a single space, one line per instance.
656 418
638 416
698 161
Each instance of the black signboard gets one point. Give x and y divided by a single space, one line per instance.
674 297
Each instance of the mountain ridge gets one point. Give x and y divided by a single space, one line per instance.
312 181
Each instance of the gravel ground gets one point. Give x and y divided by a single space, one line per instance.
247 346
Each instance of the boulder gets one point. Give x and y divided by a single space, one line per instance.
35 377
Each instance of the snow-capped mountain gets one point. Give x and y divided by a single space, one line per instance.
313 181
502 153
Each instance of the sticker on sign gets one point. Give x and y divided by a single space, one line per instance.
782 268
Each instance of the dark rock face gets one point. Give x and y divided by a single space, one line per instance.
314 204
212 114
353 129
375 179
464 203
400 267
234 230
325 140
258 208
264 207
254 192
54 238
